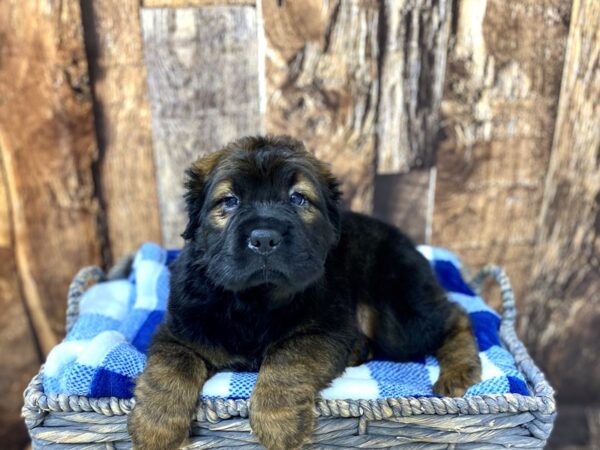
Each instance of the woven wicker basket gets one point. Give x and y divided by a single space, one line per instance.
480 422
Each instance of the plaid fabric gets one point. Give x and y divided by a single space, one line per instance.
105 350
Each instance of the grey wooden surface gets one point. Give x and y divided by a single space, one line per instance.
413 64
203 79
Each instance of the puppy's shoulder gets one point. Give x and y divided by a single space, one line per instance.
373 246
371 232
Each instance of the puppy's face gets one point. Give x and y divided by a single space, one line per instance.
262 212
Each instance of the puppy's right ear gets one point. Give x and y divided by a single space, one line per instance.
196 181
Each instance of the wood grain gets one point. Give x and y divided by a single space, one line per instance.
403 201
577 427
561 323
203 77
191 3
414 40
20 355
502 82
323 86
48 148
126 172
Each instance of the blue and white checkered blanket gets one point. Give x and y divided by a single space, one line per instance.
105 350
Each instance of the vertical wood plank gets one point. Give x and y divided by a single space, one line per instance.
503 79
20 356
414 40
563 314
403 200
48 147
203 78
323 85
190 3
126 172
361 82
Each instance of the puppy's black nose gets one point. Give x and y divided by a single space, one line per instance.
264 241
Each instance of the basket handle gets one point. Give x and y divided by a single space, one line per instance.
509 310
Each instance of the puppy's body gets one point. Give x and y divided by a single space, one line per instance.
278 280
373 265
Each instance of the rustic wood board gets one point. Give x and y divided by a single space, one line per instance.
48 148
561 321
191 3
360 82
126 172
322 84
20 355
414 42
405 200
502 82
203 78
577 427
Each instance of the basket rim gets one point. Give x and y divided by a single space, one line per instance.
37 403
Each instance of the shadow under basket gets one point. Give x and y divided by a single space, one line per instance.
57 421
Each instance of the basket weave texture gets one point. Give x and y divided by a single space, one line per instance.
479 422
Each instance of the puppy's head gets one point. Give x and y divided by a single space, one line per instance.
263 211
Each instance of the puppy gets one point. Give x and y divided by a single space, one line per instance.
274 278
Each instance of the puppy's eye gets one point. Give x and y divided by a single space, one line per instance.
230 202
298 199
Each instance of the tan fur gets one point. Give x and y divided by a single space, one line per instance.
166 395
222 189
206 164
281 405
458 356
307 188
167 391
217 215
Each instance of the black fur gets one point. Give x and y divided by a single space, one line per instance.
328 266
334 288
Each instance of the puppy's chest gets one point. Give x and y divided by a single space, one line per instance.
245 335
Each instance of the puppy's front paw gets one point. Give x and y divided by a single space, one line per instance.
281 423
157 429
454 382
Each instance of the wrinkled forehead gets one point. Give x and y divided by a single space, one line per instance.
267 171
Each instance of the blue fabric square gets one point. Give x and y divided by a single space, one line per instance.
400 379
142 339
485 327
242 384
107 383
450 278
517 385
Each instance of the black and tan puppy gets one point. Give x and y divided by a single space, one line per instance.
274 278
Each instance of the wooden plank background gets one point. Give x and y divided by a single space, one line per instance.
124 169
204 91
472 124
48 208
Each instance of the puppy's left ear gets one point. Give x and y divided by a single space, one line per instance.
196 180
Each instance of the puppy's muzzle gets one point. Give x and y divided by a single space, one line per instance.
264 241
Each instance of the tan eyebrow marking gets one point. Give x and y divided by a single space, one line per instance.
223 188
217 216
305 187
